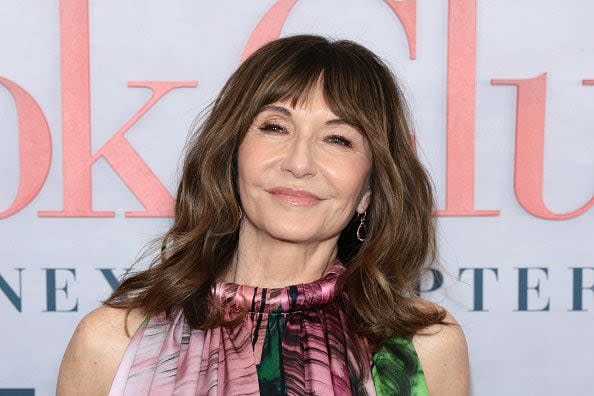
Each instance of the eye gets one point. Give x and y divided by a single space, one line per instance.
341 140
269 126
276 128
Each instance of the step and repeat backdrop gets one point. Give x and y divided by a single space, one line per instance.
98 97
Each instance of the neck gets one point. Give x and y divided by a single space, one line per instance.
264 261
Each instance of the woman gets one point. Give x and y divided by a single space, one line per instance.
303 222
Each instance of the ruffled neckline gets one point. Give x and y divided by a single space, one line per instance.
286 299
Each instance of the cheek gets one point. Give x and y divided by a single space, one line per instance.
250 166
247 155
348 176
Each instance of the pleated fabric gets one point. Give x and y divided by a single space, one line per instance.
294 341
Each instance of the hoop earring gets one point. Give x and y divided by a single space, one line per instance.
362 224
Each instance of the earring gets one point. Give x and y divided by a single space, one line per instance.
240 214
362 218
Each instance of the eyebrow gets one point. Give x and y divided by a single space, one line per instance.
287 112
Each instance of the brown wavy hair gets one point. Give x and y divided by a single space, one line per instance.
383 272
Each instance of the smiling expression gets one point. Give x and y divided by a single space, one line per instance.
303 172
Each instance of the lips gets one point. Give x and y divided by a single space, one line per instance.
293 192
294 196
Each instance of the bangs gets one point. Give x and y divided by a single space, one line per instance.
346 83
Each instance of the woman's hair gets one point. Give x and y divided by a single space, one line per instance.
383 272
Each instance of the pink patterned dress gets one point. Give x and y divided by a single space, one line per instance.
294 341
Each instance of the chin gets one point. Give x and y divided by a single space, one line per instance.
292 234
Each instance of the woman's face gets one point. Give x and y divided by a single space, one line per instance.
303 148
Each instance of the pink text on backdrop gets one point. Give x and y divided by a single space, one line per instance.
35 142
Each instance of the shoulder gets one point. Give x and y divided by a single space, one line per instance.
95 349
443 353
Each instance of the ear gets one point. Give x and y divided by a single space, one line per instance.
364 201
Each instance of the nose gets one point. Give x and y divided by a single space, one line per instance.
298 158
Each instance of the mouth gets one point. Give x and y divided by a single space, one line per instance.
295 196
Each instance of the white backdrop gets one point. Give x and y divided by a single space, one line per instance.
516 220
